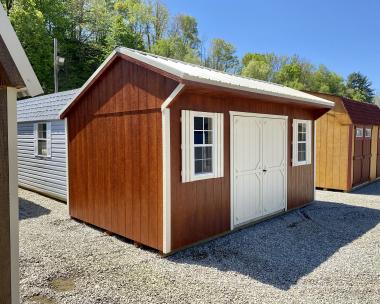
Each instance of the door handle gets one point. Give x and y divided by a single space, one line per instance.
265 170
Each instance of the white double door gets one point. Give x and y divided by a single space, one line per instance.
259 161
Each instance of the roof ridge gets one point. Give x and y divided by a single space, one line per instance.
202 67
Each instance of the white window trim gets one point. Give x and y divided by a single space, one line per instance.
370 132
48 139
295 161
356 133
188 159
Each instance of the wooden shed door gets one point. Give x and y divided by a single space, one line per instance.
259 167
362 159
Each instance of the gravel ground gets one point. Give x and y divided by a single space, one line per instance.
327 252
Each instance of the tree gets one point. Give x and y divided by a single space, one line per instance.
7 4
33 32
325 81
160 20
182 41
296 74
262 66
359 87
222 56
186 28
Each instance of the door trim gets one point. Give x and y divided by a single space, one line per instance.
232 166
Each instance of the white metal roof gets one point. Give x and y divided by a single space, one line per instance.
200 74
32 85
44 107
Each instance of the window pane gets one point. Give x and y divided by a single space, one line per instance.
207 152
198 152
208 137
301 127
198 166
301 156
198 137
207 166
301 146
301 152
198 123
301 136
207 123
42 148
41 130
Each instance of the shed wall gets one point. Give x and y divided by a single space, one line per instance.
201 209
374 156
115 153
45 175
332 148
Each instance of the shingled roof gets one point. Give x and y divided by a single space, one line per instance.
44 107
362 113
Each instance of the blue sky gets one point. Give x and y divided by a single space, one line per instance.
342 34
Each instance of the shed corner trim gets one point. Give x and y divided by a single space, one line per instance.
172 96
166 184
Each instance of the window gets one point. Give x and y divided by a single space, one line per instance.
42 139
359 132
368 132
202 145
301 142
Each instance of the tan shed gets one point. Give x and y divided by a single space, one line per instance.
347 144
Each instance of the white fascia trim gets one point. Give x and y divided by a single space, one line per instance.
18 55
173 95
145 59
89 81
312 100
67 164
13 195
166 194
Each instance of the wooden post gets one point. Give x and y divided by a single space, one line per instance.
8 198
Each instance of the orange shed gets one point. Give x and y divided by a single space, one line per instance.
167 153
347 144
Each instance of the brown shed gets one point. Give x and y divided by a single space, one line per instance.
348 145
168 154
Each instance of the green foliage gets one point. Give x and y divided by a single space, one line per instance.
262 66
222 56
88 30
32 29
325 81
359 87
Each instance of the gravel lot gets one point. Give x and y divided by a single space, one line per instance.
327 252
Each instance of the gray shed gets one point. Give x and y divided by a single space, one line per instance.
42 162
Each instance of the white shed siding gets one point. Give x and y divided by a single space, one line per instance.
45 175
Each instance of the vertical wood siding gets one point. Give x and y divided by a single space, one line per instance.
201 209
374 156
362 158
45 175
332 164
115 153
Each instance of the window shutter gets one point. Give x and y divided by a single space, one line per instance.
219 155
48 138
35 138
295 143
186 145
308 142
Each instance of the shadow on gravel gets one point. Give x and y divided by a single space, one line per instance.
29 210
282 250
371 189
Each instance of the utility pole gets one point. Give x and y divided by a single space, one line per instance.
55 65
57 62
